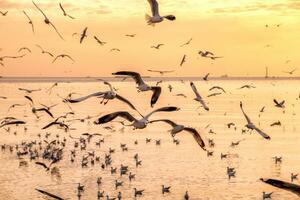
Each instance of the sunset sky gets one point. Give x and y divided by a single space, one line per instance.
229 28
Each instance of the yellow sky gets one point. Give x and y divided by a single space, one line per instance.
232 29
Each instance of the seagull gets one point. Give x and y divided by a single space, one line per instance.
43 51
283 185
56 123
45 166
183 60
279 104
63 56
205 53
64 12
294 177
47 21
11 57
115 49
138 192
181 94
176 128
30 21
205 78
24 48
8 123
83 34
198 97
214 94
187 43
217 87
29 90
109 95
246 86
3 13
160 71
142 86
165 189
156 18
35 110
137 124
99 41
290 72
251 126
130 35
157 46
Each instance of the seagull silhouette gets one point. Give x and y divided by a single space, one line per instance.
156 18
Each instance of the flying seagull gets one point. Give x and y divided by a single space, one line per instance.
187 43
30 21
63 56
49 194
142 86
83 34
64 12
156 18
137 124
279 104
43 51
47 21
109 95
183 60
160 71
176 128
205 78
251 126
130 35
29 90
217 87
157 46
3 13
99 41
198 97
24 49
11 57
290 72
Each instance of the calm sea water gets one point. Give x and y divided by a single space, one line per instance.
184 167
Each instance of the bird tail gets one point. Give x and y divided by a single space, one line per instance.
148 20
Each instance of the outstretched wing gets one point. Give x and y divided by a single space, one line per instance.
246 116
163 109
196 136
127 102
96 94
154 7
155 95
112 116
42 164
264 135
136 76
195 90
173 124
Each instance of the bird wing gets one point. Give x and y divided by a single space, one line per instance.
283 185
29 98
173 124
45 110
49 194
196 136
56 31
127 102
264 135
276 102
96 94
11 123
49 125
154 7
40 10
156 93
69 57
163 109
62 9
42 164
182 60
195 90
136 76
112 116
247 118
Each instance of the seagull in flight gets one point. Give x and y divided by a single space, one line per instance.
183 60
47 21
142 86
205 78
3 13
99 41
83 34
11 57
251 126
187 43
130 35
43 51
30 21
156 18
176 128
160 71
217 87
108 95
63 56
136 123
157 46
279 104
290 72
64 12
23 49
198 96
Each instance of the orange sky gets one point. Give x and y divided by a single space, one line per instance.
233 29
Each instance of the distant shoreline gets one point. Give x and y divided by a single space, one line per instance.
95 79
